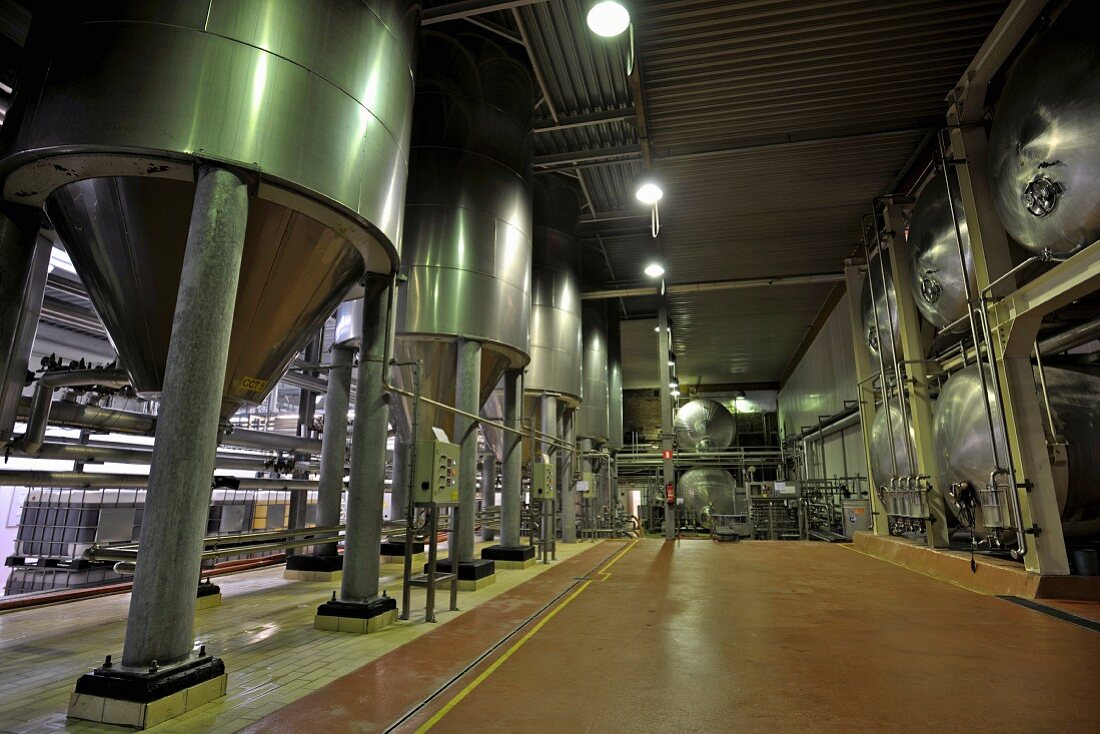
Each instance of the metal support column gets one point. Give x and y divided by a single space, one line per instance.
1027 441
467 398
367 476
511 491
24 265
162 607
853 281
330 484
567 459
916 378
668 466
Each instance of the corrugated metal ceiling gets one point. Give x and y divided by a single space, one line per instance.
772 124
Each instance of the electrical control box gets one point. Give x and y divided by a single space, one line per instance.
542 481
855 517
435 476
586 487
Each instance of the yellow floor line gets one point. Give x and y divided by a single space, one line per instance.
520 643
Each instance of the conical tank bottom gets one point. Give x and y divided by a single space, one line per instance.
127 236
438 370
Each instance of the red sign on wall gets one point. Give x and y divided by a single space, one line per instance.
666 454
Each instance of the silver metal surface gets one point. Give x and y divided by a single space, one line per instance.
313 100
468 217
884 441
130 255
885 303
966 454
555 292
937 270
24 262
707 491
349 323
593 418
704 424
1044 146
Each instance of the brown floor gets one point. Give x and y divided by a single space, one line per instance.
697 636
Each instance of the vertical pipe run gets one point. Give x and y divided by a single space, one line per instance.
668 469
511 499
367 478
399 478
549 426
330 485
467 398
566 464
162 608
488 490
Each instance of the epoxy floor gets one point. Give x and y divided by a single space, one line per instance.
749 637
263 631
639 636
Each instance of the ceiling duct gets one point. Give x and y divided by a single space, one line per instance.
122 102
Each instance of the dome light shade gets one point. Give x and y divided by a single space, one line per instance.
654 270
608 18
648 192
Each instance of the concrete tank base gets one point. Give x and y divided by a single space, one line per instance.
510 559
355 617
994 576
472 575
143 699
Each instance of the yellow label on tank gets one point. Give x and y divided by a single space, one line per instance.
253 384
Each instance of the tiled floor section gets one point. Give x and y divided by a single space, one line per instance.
778 637
263 631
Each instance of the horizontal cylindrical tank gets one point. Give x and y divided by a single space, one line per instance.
707 491
888 437
1044 145
965 451
468 216
939 275
704 424
310 102
885 305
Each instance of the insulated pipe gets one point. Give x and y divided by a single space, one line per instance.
511 499
367 479
1070 338
330 484
93 417
92 480
468 399
162 608
42 401
122 454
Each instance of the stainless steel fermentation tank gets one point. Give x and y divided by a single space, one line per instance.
878 299
888 433
938 270
1044 145
593 416
707 491
309 102
704 424
555 367
467 219
965 452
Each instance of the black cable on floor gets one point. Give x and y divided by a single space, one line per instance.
1052 612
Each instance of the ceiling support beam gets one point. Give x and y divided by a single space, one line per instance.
674 289
615 114
571 158
468 8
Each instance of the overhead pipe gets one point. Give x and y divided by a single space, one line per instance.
42 401
125 454
89 480
716 285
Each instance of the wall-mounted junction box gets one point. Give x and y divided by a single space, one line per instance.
435 476
542 481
